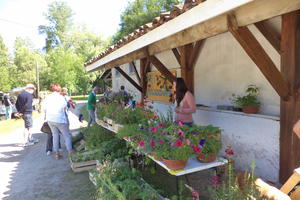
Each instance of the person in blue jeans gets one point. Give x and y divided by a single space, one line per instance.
91 106
55 107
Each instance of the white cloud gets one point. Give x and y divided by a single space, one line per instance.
100 16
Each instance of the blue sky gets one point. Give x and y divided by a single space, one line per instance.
21 18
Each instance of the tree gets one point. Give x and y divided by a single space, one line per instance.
140 12
86 44
5 84
60 23
25 61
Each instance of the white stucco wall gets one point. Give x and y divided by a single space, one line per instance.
224 68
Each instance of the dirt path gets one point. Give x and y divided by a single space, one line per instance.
28 174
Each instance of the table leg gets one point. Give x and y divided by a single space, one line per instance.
177 186
186 179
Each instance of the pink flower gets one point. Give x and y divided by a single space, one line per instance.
142 143
215 181
172 144
161 125
180 123
152 143
178 143
188 142
197 149
161 141
180 132
154 129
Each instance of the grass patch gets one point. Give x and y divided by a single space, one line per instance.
8 126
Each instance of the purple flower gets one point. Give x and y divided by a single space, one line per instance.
201 143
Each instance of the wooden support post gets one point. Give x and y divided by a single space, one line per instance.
136 72
290 110
129 79
187 71
162 69
259 57
270 34
144 68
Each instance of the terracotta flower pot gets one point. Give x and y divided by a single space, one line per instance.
206 159
175 164
250 109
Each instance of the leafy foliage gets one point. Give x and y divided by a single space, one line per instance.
60 19
118 181
94 136
250 99
140 12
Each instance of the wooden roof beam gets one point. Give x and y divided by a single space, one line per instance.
129 79
246 14
270 34
136 72
258 55
162 69
176 54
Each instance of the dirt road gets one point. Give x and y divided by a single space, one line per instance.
28 174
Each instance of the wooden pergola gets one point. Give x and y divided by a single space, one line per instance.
203 19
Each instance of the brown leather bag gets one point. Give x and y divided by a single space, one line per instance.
296 128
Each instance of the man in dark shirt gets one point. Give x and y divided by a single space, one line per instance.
24 106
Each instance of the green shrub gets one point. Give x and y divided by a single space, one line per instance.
95 135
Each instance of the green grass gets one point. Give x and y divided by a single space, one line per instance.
82 98
8 126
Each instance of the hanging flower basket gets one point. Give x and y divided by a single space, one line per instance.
206 158
175 164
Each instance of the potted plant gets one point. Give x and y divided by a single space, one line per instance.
206 142
248 102
169 142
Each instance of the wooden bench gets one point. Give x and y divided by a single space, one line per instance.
287 191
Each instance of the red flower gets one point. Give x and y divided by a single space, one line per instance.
154 129
180 123
197 149
161 142
155 117
161 125
142 143
229 152
179 143
152 143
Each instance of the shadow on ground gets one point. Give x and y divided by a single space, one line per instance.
28 174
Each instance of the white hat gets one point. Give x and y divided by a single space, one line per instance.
30 86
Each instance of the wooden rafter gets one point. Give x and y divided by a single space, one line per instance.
195 53
136 72
270 34
129 79
162 69
177 55
258 55
290 110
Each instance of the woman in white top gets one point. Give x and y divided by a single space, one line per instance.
56 106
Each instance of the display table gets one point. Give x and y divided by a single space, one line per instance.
192 165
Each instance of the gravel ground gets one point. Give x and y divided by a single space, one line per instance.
28 174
